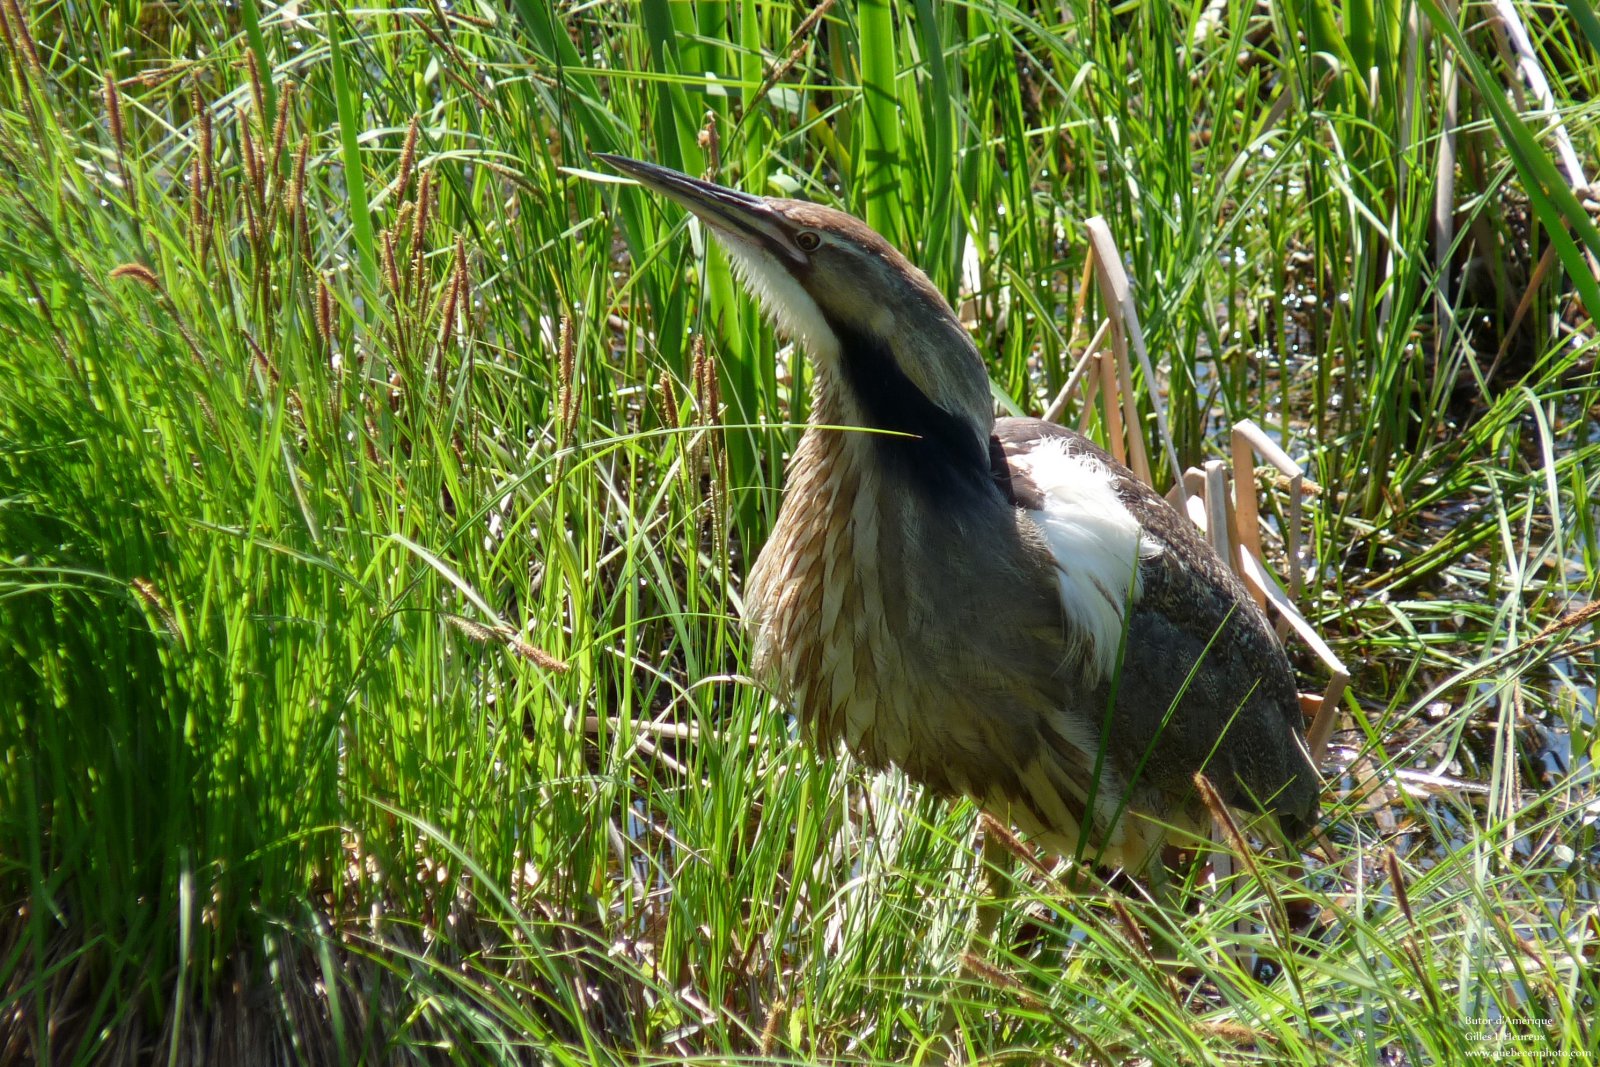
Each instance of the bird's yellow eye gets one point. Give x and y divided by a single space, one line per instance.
808 241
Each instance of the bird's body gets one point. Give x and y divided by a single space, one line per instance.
996 606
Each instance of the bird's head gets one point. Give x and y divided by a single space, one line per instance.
871 320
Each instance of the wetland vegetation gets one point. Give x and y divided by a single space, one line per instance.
376 493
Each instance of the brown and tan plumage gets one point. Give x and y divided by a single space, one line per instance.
996 606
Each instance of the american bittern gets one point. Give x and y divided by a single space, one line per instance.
997 606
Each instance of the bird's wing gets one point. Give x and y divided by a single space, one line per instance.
1199 661
1073 492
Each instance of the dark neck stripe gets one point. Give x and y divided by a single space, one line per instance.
943 450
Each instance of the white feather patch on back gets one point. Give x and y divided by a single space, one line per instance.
1096 544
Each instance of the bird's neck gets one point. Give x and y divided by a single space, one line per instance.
919 440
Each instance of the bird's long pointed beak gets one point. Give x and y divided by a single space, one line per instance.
728 211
